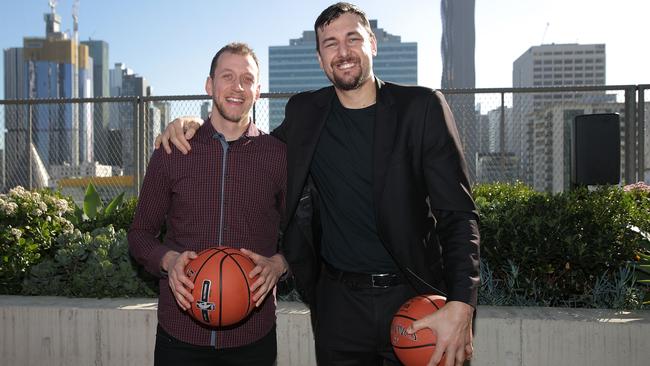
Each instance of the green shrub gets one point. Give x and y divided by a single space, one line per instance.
29 224
552 249
94 214
93 264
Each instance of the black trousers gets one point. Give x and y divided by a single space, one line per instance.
172 352
352 325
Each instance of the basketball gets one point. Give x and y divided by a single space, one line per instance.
221 286
415 349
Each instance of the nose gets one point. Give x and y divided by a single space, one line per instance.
237 85
343 49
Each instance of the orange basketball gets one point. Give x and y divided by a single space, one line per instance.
415 349
221 286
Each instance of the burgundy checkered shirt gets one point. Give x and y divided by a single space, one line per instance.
184 192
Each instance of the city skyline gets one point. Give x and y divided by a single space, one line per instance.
155 41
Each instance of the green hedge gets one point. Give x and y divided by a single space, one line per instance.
578 249
93 264
562 249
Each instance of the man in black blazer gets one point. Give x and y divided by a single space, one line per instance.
378 201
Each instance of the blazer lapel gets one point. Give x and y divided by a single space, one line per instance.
384 138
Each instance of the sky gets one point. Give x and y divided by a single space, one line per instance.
171 43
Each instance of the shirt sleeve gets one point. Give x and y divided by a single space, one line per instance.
153 204
451 202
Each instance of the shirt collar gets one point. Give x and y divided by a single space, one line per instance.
207 131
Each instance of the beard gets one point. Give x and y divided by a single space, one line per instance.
227 116
347 82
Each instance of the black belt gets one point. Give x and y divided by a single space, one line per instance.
363 280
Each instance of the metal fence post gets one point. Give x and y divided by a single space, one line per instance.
142 137
641 132
630 135
136 142
30 139
502 134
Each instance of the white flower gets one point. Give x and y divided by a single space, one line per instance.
18 191
16 232
61 206
8 208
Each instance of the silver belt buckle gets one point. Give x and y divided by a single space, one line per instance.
379 275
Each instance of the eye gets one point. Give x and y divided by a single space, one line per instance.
227 76
248 80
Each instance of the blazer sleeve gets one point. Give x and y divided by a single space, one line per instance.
451 201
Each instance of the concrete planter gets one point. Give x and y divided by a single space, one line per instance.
62 331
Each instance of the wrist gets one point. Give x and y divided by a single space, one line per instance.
168 260
282 264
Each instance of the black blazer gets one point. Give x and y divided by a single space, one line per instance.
425 214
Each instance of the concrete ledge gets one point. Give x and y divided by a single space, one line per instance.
62 331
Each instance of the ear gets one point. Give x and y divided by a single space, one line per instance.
373 44
320 60
208 86
258 92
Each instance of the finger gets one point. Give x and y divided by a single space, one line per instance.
157 141
179 136
469 350
260 298
180 299
190 133
261 291
415 326
252 255
165 143
450 357
460 356
256 271
437 355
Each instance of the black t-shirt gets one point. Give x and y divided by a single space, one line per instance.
342 171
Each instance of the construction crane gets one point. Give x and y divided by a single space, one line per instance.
75 20
544 34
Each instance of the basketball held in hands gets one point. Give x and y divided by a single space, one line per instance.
415 349
221 291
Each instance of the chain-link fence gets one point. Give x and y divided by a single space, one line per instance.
507 135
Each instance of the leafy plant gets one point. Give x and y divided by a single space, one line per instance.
550 249
94 214
93 264
29 224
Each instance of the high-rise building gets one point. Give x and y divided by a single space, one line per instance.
98 50
14 88
295 68
458 71
125 83
552 141
53 66
552 65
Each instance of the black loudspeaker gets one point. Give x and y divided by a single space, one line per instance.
596 149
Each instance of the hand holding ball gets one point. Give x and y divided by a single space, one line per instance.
221 291
415 349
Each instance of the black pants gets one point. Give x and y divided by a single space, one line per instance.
172 352
352 325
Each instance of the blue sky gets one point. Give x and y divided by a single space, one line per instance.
171 43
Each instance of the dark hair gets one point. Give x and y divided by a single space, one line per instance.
237 48
334 11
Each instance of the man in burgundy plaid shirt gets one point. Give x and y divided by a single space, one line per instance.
229 191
